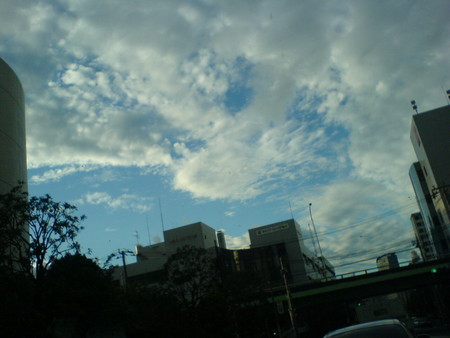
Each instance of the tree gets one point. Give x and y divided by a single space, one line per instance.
79 292
36 231
191 275
14 241
53 229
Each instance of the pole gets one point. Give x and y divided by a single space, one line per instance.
289 298
318 243
124 269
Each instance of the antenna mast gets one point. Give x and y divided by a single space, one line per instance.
321 258
290 207
136 234
160 213
148 230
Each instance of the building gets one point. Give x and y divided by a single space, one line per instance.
271 246
430 137
150 259
391 305
302 264
429 217
387 262
423 237
13 159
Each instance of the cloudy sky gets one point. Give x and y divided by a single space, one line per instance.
233 113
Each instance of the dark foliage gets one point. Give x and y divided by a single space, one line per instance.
191 275
80 295
53 229
36 231
14 253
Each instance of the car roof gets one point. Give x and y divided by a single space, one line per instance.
364 325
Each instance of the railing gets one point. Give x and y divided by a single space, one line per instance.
363 272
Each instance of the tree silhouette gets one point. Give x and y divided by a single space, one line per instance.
14 248
36 231
79 292
191 275
53 229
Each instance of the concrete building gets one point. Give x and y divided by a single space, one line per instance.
429 217
387 262
151 259
430 137
13 159
302 264
423 237
269 244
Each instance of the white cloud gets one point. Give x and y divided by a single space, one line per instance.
230 213
328 85
238 242
53 175
356 217
124 201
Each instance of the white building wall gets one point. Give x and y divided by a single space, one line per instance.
13 160
197 234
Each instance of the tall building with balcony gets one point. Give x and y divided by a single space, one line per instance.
430 176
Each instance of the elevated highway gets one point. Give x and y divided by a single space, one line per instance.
369 285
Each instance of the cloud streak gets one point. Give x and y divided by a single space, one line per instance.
124 201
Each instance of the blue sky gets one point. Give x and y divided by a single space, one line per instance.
229 112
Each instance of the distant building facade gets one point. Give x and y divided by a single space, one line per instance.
271 245
387 262
151 259
303 265
430 137
430 220
423 237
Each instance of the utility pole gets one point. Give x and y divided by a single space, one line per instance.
321 258
124 269
123 253
289 298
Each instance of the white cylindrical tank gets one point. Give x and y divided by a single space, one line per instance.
13 158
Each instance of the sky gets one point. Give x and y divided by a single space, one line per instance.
150 115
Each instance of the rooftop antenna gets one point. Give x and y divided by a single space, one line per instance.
136 234
148 230
448 95
414 106
312 238
290 207
160 213
317 237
